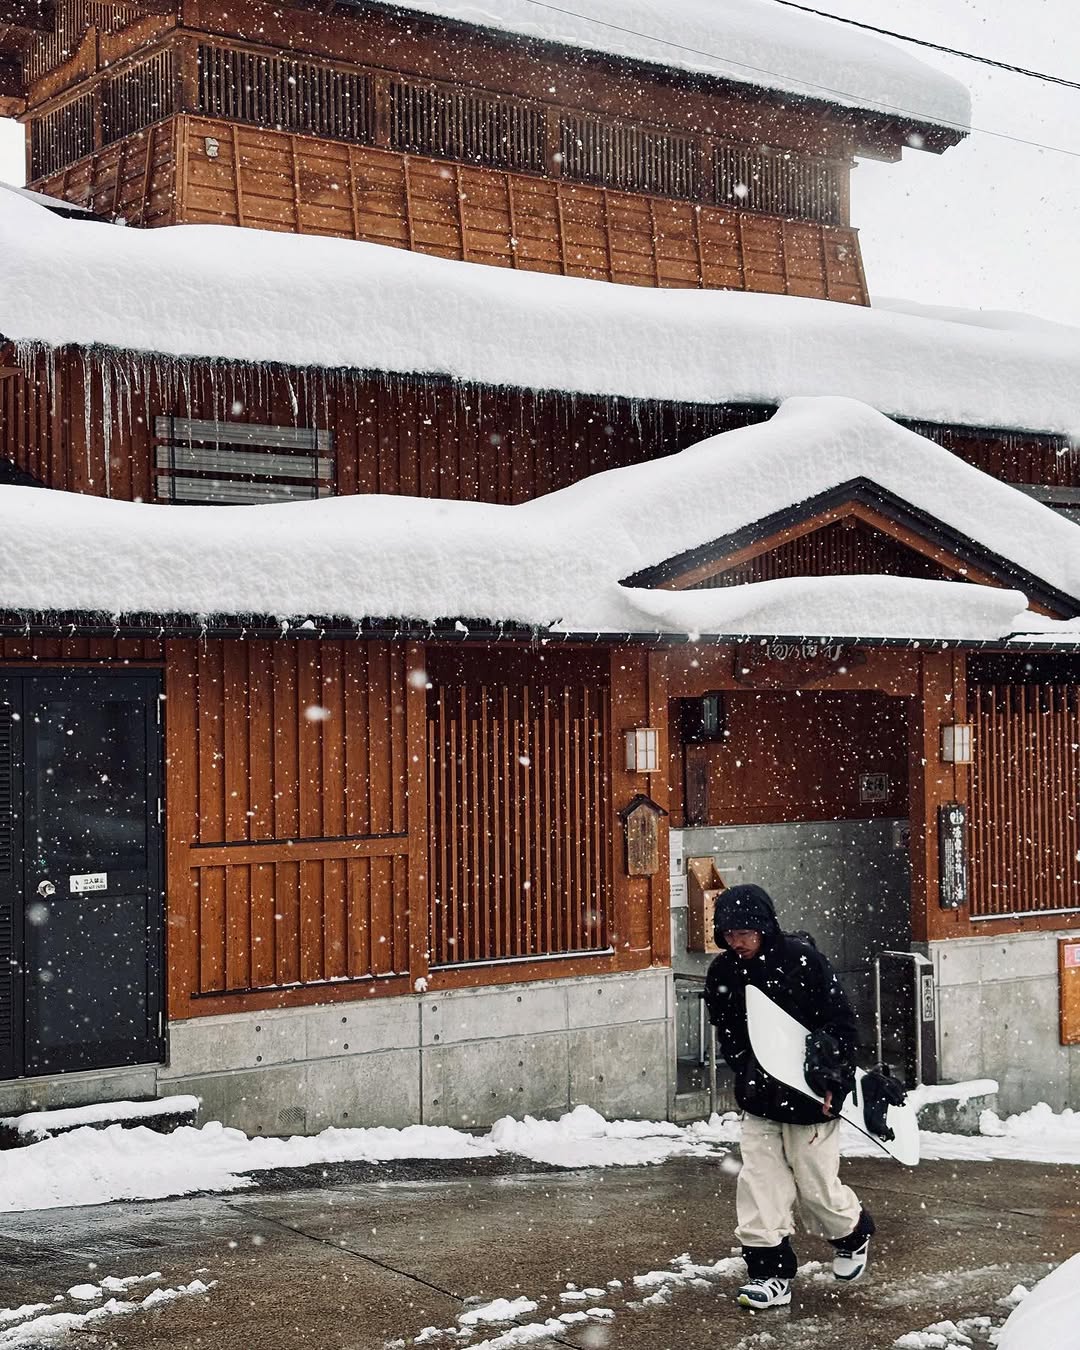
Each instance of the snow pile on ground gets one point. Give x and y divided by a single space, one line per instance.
583 1138
559 561
40 1124
743 40
89 1167
1049 1316
39 1323
943 1335
210 291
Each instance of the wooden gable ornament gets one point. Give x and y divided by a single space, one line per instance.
641 818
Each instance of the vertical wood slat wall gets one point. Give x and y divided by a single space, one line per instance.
519 810
1025 808
287 827
271 180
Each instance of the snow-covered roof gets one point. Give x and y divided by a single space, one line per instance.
211 291
558 562
748 41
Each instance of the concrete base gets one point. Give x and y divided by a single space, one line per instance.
463 1058
998 1017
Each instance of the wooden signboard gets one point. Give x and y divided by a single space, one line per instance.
641 820
1069 971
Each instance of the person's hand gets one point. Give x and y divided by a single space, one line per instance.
826 1105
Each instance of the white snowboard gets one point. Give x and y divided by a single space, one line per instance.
779 1045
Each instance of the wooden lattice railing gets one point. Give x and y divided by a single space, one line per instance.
519 812
1025 804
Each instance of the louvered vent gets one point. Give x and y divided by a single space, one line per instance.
297 96
7 792
778 182
457 124
138 97
632 159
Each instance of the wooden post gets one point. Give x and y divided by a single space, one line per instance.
416 806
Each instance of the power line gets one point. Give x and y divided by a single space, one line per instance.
891 108
935 46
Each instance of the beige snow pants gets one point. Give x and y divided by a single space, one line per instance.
782 1164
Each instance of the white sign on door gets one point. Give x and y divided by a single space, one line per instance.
88 881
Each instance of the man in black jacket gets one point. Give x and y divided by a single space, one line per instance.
790 1143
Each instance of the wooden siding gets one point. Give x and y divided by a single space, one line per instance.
270 180
134 178
1025 799
288 821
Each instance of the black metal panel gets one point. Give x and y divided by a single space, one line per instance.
10 879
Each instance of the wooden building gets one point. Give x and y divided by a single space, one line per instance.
374 867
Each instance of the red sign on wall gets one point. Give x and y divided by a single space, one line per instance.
1072 956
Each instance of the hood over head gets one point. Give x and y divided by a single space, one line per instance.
744 907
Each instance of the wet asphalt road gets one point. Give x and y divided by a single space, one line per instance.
364 1256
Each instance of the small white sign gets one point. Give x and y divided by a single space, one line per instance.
678 892
675 854
88 881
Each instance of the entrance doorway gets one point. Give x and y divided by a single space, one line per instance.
81 903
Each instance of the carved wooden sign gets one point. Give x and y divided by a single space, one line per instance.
784 665
641 820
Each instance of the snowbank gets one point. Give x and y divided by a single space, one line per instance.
1049 1316
743 40
557 562
209 291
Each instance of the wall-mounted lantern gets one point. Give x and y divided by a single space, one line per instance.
957 743
643 750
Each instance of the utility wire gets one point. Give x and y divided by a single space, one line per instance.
935 46
808 84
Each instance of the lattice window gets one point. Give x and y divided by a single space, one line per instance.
633 159
7 790
297 96
137 97
458 124
778 182
61 137
240 463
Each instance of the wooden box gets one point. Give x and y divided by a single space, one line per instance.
703 884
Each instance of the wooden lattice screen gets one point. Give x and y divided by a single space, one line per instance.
462 124
778 182
1025 807
274 91
137 97
519 811
632 158
62 136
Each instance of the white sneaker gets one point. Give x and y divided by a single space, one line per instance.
771 1293
850 1266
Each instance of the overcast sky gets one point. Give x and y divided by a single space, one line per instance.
991 224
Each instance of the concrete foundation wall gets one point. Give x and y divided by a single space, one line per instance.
998 1017
845 882
462 1058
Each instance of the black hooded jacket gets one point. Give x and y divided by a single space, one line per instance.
795 975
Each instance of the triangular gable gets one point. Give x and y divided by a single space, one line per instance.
857 528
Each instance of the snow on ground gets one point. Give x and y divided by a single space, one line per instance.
1049 1316
743 40
37 1323
558 561
89 1167
212 291
39 1124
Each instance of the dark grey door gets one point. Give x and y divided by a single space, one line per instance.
81 885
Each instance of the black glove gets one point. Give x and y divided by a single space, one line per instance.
827 1068
879 1092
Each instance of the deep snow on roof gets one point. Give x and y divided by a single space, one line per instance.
213 291
747 41
557 562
